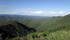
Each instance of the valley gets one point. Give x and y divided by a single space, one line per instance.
45 28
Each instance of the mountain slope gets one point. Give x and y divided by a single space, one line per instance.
13 29
44 26
50 24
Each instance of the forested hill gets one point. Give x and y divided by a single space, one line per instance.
38 22
49 28
11 29
49 24
52 28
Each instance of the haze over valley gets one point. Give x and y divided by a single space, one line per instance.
34 20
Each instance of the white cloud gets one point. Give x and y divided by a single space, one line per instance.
52 12
29 11
42 13
37 12
61 12
57 13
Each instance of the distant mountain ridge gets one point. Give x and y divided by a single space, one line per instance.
18 17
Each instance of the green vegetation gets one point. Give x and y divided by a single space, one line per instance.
48 28
59 35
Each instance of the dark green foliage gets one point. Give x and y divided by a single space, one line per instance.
14 29
48 28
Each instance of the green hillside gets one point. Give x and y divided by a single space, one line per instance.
48 28
51 25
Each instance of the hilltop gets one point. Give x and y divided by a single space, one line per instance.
11 29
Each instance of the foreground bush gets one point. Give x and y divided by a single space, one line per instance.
59 35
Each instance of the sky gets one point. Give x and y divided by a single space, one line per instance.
35 7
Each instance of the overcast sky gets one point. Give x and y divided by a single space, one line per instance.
35 7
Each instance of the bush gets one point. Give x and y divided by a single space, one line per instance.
59 35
